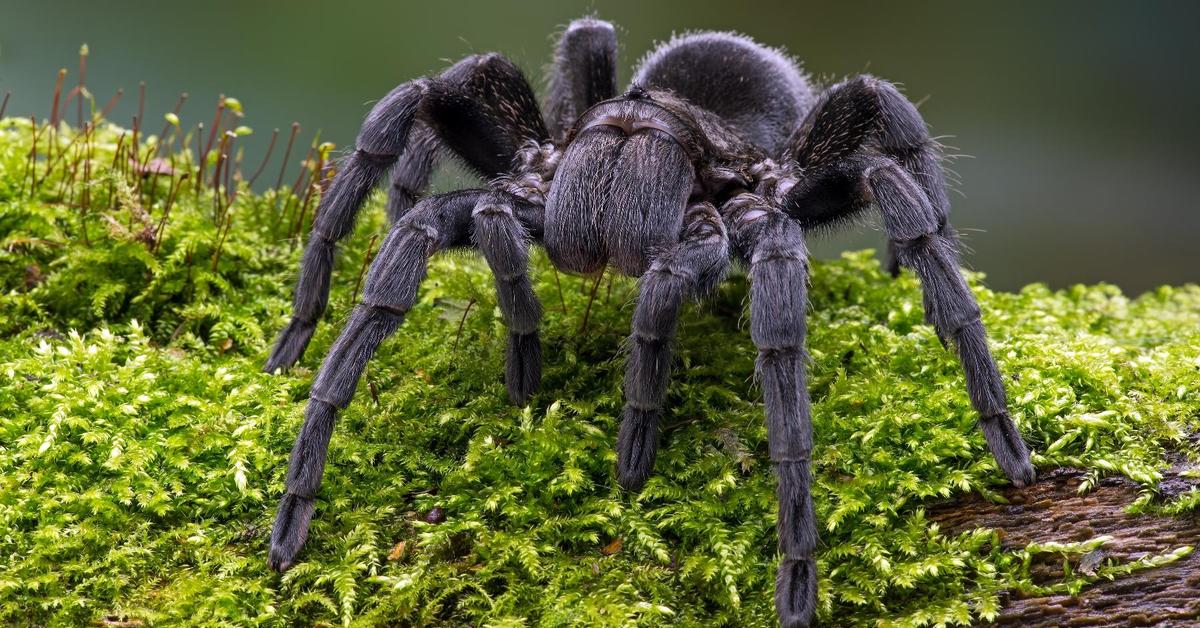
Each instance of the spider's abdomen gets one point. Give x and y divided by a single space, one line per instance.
757 91
620 190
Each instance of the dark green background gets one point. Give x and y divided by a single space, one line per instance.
1080 117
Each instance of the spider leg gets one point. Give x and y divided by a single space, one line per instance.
436 223
381 140
773 245
692 267
584 72
912 227
410 175
481 108
866 144
503 238
863 112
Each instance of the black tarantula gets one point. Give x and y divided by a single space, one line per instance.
720 149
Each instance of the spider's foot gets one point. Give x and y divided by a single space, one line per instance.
523 367
796 592
637 446
291 528
1009 449
290 345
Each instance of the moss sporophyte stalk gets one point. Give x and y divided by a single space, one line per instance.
142 450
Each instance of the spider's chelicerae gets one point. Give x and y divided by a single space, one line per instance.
721 149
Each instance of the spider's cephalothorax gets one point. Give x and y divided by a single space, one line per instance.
720 150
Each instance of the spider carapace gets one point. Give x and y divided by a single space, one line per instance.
720 151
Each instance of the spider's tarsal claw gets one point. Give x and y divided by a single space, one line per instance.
523 367
290 346
796 592
1009 449
291 528
637 446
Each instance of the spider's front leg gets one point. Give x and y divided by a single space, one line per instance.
382 139
435 224
866 144
503 231
481 109
773 246
692 267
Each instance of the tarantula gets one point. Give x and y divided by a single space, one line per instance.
721 149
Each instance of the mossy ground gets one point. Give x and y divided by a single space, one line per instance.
142 450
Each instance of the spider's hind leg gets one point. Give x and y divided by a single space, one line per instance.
584 72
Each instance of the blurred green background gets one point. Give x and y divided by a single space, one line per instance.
1080 118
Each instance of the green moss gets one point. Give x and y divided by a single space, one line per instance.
143 453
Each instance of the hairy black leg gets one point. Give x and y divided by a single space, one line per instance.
584 72
391 288
692 267
773 245
912 225
504 242
381 140
484 110
410 175
865 143
481 108
863 114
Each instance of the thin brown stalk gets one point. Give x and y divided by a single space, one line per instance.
304 174
362 271
221 242
29 165
287 154
4 105
317 183
304 205
58 84
52 164
212 136
135 145
83 55
162 223
89 142
461 322
199 169
112 102
69 180
113 170
230 166
558 285
263 165
141 100
587 313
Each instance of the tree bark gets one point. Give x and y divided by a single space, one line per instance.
1052 510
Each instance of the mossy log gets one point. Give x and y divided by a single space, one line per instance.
1054 510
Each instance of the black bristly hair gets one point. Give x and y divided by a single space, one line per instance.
719 151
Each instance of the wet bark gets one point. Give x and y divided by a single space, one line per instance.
1052 510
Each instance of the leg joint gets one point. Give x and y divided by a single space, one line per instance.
395 310
379 160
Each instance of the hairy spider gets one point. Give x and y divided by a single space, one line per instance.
721 149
